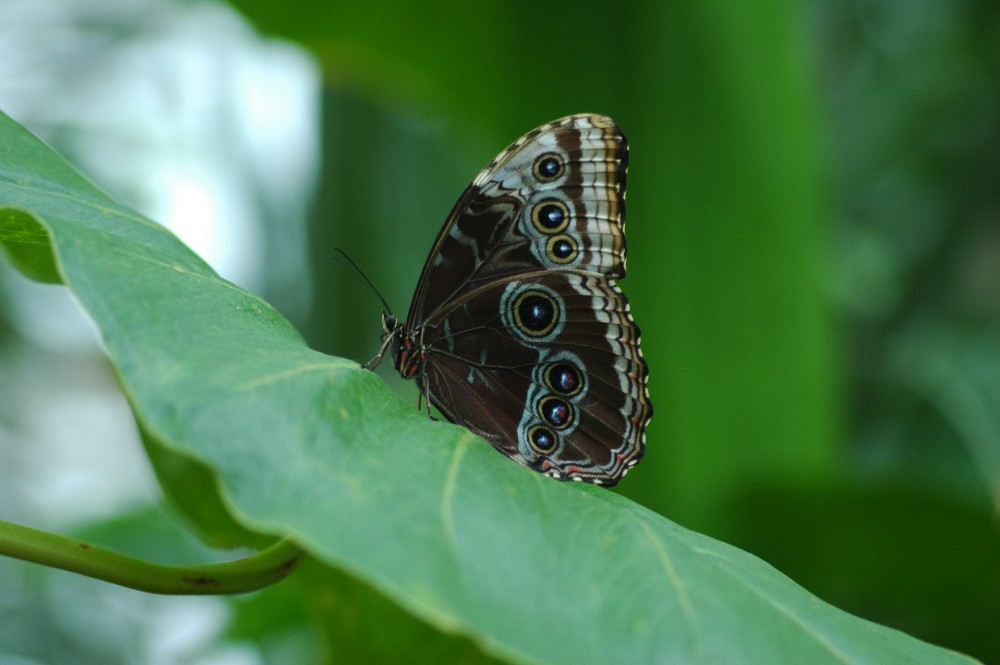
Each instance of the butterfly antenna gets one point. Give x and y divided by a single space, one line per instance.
348 261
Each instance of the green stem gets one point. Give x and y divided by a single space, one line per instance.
254 572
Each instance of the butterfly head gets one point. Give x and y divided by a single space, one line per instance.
390 325
407 355
392 330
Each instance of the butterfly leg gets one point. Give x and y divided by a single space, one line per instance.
425 394
373 363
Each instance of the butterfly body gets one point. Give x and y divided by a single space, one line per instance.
517 329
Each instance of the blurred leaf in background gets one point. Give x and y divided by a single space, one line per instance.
813 241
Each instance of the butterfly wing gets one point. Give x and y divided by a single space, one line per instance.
546 366
554 198
528 340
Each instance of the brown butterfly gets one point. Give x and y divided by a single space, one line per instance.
517 329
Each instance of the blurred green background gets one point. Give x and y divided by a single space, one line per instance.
814 251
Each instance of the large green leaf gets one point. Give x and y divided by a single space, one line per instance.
532 569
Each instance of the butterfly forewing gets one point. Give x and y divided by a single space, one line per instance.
493 229
518 329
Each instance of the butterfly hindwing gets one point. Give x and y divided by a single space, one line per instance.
552 377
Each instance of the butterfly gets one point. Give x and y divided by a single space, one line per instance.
517 329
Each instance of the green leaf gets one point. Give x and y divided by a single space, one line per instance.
27 245
193 489
531 569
